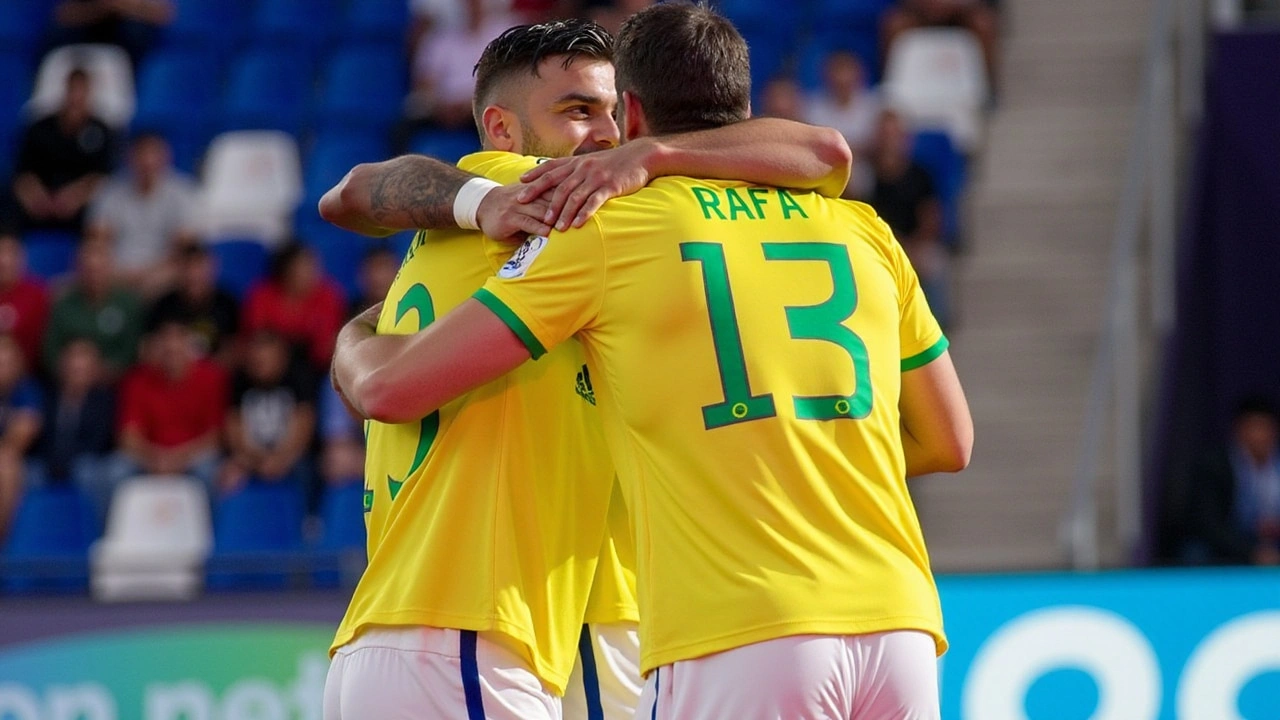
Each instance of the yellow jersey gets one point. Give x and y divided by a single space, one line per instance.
746 345
489 514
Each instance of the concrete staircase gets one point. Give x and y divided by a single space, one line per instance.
1030 288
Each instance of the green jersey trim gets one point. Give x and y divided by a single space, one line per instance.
921 359
512 320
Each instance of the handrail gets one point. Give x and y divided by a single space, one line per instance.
1148 193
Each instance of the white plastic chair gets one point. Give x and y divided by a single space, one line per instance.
110 73
158 537
937 78
252 183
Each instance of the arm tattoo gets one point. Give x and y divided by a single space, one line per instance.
415 192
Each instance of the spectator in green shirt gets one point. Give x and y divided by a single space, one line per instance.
94 306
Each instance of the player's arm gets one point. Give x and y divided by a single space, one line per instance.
768 151
415 192
937 430
402 378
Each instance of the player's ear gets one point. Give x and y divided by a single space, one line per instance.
501 128
634 123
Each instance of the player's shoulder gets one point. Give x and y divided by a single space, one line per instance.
500 166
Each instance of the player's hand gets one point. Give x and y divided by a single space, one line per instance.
502 216
579 185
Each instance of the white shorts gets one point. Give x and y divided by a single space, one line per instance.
606 683
411 673
882 676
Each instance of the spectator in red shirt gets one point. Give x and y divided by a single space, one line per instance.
300 303
24 300
172 409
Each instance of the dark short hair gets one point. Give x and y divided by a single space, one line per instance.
376 248
147 134
1256 404
687 65
193 251
521 49
284 257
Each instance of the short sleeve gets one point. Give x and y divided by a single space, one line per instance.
920 337
551 287
500 167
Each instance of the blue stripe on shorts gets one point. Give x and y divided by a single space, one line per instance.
590 679
471 675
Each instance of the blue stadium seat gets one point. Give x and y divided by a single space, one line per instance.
342 518
269 89
376 21
340 251
49 252
302 24
241 263
852 25
333 154
813 57
214 25
362 88
446 145
342 513
21 23
772 31
15 87
400 242
947 166
254 530
49 542
177 96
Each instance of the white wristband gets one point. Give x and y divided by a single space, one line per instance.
468 200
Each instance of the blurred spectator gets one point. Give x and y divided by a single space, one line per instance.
78 432
272 417
213 312
132 24
377 271
976 16
61 161
845 103
172 408
298 301
21 412
781 98
1235 492
904 196
96 307
24 300
146 214
442 72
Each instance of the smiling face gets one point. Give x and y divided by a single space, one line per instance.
562 111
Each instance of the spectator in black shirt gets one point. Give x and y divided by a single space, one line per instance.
272 418
62 160
904 196
80 421
213 312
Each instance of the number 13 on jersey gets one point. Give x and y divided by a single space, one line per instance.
824 322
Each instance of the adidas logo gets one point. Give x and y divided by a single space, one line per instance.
583 386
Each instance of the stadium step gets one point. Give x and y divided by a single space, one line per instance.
1030 287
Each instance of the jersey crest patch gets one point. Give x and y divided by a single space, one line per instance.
520 263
